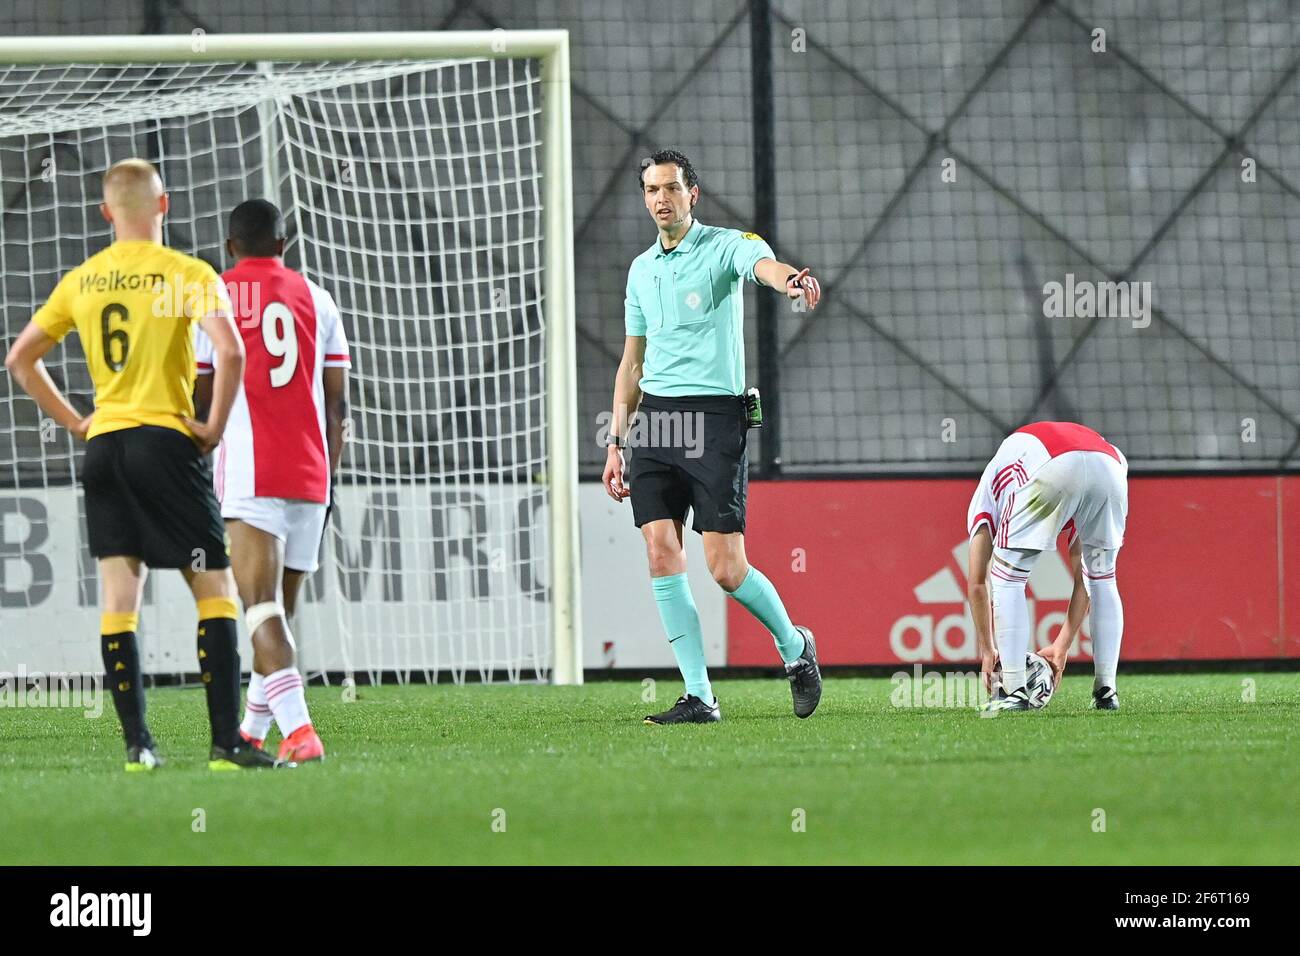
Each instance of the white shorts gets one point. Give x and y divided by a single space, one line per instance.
299 524
1089 488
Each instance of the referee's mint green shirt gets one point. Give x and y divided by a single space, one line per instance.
689 305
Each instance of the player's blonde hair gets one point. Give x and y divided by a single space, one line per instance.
133 187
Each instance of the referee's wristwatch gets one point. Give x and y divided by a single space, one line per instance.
615 441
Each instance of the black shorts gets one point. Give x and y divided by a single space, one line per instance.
149 496
689 452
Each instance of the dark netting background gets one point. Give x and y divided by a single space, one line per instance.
411 193
932 343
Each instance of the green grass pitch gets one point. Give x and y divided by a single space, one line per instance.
1187 772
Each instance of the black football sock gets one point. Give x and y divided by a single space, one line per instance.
121 655
219 667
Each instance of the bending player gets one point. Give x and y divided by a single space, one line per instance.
275 466
1046 478
149 500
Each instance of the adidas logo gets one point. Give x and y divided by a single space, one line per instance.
951 636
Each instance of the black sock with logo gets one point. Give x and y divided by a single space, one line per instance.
218 646
126 683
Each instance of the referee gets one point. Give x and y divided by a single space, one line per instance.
684 365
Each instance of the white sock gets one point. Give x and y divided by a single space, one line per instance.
287 701
257 715
1105 616
1011 625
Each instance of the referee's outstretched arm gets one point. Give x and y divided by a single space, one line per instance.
795 283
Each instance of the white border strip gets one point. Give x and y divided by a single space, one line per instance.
205 47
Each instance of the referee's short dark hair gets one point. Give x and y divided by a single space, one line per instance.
669 156
256 226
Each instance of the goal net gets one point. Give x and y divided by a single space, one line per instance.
428 192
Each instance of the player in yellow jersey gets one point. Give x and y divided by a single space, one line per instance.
149 498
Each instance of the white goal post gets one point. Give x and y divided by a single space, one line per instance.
447 125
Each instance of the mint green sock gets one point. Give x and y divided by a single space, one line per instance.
682 625
757 595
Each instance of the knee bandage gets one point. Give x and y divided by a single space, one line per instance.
259 614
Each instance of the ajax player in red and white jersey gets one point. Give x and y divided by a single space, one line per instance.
1045 479
274 467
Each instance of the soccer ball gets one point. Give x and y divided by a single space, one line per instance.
1038 681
